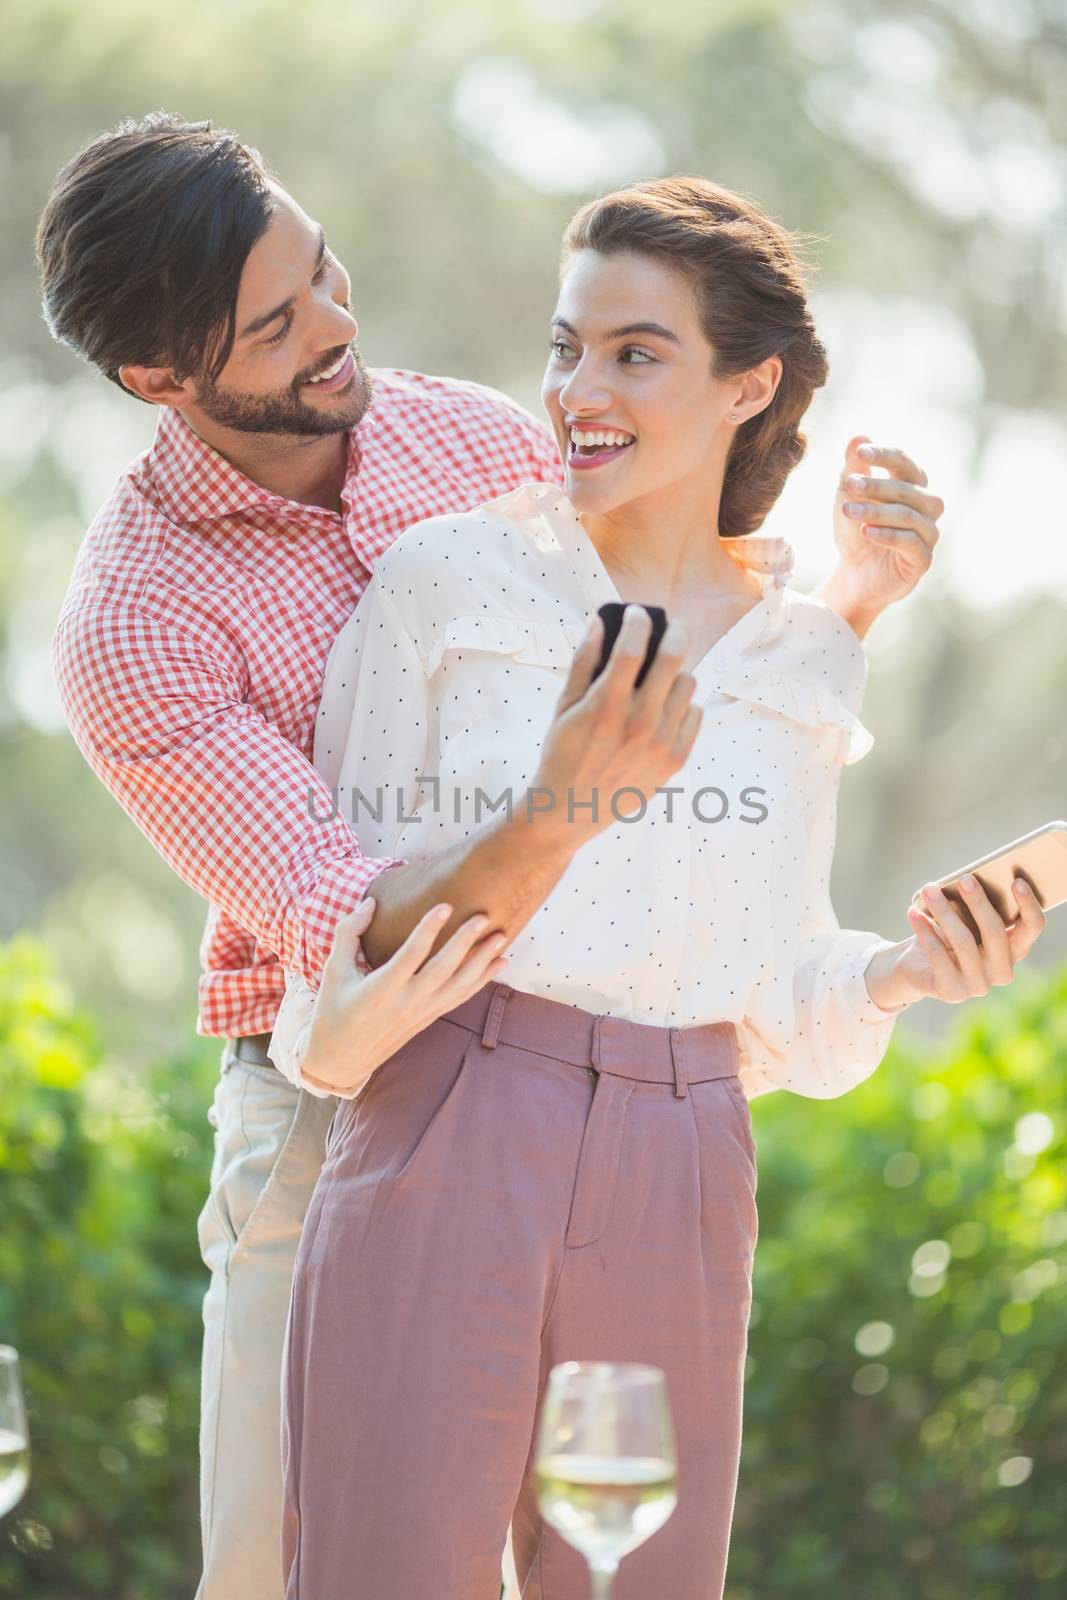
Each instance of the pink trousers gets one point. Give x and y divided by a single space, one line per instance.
523 1183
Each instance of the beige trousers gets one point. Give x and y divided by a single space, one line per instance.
270 1142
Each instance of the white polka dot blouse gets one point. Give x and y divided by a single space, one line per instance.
712 903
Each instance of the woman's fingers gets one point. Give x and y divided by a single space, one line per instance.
677 705
899 512
409 991
1030 922
906 542
995 954
583 665
345 942
894 461
405 961
463 960
687 732
898 498
991 963
948 980
664 681
958 937
437 990
454 951
482 966
895 517
615 684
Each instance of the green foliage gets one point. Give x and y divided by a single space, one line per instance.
906 1406
101 1179
906 1409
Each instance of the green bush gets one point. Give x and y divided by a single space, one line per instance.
906 1409
102 1175
906 1405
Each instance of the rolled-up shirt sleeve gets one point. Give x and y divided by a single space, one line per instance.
162 717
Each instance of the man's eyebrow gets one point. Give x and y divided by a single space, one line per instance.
655 328
259 323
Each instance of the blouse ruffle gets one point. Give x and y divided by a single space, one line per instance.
551 644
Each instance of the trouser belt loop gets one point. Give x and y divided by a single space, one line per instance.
495 1015
594 1050
681 1083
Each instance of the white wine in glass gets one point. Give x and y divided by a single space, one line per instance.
605 1464
14 1433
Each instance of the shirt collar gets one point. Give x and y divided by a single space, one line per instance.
194 484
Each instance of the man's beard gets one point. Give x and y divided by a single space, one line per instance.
286 412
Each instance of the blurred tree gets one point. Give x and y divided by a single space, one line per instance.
445 146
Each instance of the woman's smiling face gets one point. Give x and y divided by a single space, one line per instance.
629 360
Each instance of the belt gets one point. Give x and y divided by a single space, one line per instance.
251 1048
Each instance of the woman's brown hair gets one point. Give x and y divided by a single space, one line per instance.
747 273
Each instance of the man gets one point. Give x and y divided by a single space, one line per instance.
190 652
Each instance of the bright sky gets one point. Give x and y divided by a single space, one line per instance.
904 371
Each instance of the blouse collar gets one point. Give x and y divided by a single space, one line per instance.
553 523
734 667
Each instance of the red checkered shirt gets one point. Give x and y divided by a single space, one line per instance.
191 647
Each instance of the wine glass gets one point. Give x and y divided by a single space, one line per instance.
605 1465
14 1433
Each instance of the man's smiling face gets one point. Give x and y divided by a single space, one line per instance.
293 325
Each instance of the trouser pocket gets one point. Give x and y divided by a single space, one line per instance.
257 1116
597 1176
743 1114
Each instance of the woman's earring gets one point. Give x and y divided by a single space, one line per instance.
733 416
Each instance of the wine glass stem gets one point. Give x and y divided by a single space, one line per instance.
603 1582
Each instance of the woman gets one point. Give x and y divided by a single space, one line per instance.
562 1167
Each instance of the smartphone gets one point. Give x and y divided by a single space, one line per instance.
1039 857
611 615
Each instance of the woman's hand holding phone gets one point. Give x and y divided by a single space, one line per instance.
942 960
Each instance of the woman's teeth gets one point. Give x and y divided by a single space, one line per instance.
598 438
331 372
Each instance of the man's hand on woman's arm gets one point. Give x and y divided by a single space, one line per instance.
886 530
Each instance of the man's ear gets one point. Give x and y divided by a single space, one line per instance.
158 386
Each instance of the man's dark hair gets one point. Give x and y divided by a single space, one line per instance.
142 243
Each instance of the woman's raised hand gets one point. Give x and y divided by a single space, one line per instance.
886 528
360 1020
943 959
